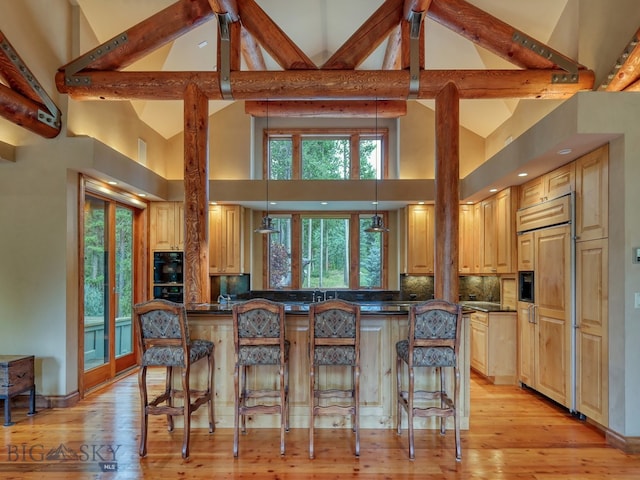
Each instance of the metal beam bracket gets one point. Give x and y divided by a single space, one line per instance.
415 20
225 55
564 78
545 52
52 117
88 58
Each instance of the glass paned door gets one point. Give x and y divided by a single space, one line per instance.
96 275
108 277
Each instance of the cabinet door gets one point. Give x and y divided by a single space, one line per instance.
592 195
532 192
479 342
466 241
225 239
552 310
420 248
592 353
166 230
488 264
525 252
477 245
505 231
526 343
560 181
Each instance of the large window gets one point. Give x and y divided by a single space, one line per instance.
326 155
328 251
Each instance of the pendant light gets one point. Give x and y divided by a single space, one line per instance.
377 225
266 226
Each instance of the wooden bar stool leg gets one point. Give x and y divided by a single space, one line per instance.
356 407
210 385
186 412
410 412
168 390
312 401
142 385
236 410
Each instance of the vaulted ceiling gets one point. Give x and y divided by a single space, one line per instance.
319 31
485 46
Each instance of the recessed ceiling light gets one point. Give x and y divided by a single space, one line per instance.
273 203
469 203
420 203
565 151
213 203
523 174
203 44
493 190
324 203
112 182
142 194
374 203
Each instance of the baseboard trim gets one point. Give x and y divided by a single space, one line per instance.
629 445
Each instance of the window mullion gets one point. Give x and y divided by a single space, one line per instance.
297 156
354 170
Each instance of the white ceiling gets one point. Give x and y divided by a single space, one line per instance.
319 28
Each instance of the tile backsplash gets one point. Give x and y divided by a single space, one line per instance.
421 288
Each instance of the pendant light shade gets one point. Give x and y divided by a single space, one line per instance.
377 225
266 226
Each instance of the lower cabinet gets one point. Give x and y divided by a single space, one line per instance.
493 346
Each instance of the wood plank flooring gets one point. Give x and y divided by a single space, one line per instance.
513 435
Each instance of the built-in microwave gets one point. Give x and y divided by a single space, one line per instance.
525 286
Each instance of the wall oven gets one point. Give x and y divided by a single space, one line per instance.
168 276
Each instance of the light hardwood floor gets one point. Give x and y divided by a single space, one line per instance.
513 435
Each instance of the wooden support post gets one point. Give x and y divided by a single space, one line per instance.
447 193
196 196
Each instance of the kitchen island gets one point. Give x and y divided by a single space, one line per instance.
382 325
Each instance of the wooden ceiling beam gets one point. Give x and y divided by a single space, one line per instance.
12 75
626 71
25 112
393 53
225 7
491 33
325 84
146 36
367 38
415 6
251 52
329 108
272 37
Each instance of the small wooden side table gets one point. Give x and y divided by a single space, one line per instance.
16 377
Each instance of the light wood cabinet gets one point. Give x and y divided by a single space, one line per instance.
493 346
549 186
505 231
420 239
592 340
166 230
488 221
225 239
525 252
545 326
477 240
592 195
466 247
498 248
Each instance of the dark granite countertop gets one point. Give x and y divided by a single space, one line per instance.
486 306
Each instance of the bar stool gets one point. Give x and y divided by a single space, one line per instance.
433 342
163 339
334 340
259 338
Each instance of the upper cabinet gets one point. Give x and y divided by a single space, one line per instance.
592 195
225 240
466 250
420 239
497 234
166 230
549 186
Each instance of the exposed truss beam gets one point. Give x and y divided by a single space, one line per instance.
145 37
272 38
494 35
367 38
326 84
329 108
626 72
